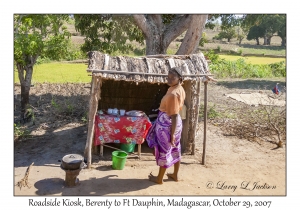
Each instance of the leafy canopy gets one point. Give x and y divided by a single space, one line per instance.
35 35
108 33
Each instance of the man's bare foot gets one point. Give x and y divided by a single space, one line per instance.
154 179
173 176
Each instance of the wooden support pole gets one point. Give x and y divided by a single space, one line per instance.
205 122
139 150
101 150
197 115
185 143
93 105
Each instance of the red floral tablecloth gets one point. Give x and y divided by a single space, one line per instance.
120 129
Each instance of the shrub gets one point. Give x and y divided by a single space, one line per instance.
203 40
212 113
222 68
42 60
211 55
263 122
240 52
69 52
278 69
20 132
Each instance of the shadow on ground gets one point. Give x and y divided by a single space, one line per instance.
253 84
50 147
262 47
94 186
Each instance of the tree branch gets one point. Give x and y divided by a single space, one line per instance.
18 24
193 35
141 22
176 27
157 19
20 73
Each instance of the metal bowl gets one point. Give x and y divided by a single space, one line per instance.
135 113
72 162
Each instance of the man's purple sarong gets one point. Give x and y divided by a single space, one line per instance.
159 138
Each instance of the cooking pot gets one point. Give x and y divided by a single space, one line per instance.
72 162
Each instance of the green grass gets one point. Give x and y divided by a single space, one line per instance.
253 60
58 73
246 48
273 51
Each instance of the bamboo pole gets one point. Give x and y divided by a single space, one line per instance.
139 150
141 73
132 155
95 92
197 116
205 122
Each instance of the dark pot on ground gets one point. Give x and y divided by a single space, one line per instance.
72 162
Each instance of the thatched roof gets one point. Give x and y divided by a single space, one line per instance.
152 69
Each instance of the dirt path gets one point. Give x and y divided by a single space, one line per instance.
231 163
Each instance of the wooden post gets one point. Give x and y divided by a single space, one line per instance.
93 105
101 150
139 150
205 122
185 123
197 115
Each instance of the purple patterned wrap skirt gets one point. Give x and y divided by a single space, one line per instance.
159 138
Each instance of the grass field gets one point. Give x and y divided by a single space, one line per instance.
247 46
76 73
58 73
253 60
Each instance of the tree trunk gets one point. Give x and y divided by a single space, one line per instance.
25 85
257 41
240 41
265 40
158 36
283 42
269 40
152 28
193 35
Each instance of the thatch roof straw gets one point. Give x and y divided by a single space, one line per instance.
152 68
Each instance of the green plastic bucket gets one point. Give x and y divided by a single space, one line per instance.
127 147
118 160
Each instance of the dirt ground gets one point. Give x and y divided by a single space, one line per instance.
233 166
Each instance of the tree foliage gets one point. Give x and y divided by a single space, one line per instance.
268 24
35 35
228 21
255 32
114 33
282 29
108 33
231 27
39 34
226 33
